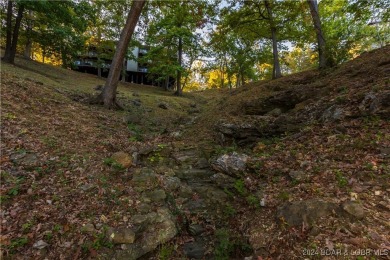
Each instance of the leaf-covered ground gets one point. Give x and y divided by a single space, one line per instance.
55 176
65 183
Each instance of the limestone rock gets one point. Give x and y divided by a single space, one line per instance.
171 183
237 130
195 229
137 102
123 159
88 228
144 208
161 231
354 209
25 159
40 244
144 179
140 219
275 112
189 156
333 114
195 174
163 105
121 235
156 196
307 211
202 163
223 180
194 250
231 164
175 134
370 104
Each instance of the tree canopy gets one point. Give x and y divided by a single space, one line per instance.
218 43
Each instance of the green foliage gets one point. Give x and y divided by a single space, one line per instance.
4 199
48 236
49 141
100 240
341 180
227 245
253 201
136 131
170 23
224 246
17 243
229 210
166 252
156 156
8 116
57 228
14 190
58 27
284 195
348 28
239 185
219 150
27 226
112 163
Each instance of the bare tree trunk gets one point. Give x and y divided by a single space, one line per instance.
322 55
277 73
179 91
28 46
8 43
15 35
43 54
12 38
222 75
167 82
64 58
124 70
109 91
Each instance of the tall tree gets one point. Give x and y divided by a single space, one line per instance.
322 53
12 39
261 22
28 45
172 32
108 94
351 27
57 29
277 73
9 31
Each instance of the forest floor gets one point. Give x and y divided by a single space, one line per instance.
315 184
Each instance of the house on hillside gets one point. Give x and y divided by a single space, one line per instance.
97 60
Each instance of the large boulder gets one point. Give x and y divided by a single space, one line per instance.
144 179
308 211
121 235
124 159
284 101
333 114
353 210
248 130
376 103
159 231
233 164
